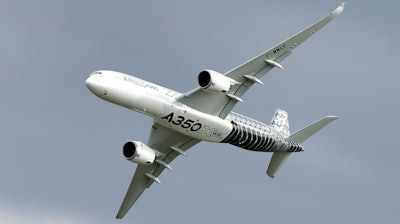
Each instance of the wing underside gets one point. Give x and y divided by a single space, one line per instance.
221 104
169 145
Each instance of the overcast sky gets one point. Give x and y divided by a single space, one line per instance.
61 159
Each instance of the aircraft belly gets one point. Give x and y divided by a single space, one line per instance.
193 123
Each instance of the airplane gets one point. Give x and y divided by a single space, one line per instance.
180 121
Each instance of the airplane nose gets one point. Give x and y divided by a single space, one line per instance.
90 82
100 84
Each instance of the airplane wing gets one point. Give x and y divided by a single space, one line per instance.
221 104
169 144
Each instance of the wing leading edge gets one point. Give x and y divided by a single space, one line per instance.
169 145
221 104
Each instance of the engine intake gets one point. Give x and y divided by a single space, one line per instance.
214 82
138 152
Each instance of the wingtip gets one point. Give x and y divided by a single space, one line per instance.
339 9
332 117
119 215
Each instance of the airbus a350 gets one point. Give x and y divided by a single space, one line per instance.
180 121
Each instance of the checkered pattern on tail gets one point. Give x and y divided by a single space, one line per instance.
280 122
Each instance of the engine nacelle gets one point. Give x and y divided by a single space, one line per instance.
139 153
214 82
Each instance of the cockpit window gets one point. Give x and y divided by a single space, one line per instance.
95 73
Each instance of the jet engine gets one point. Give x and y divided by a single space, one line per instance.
139 153
213 81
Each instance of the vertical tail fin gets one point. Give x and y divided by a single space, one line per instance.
279 158
280 121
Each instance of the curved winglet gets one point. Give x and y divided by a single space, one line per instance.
339 9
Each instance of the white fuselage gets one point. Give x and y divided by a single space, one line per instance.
160 103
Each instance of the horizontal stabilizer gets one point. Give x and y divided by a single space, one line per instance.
303 134
277 160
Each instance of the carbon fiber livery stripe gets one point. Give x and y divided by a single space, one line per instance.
256 136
